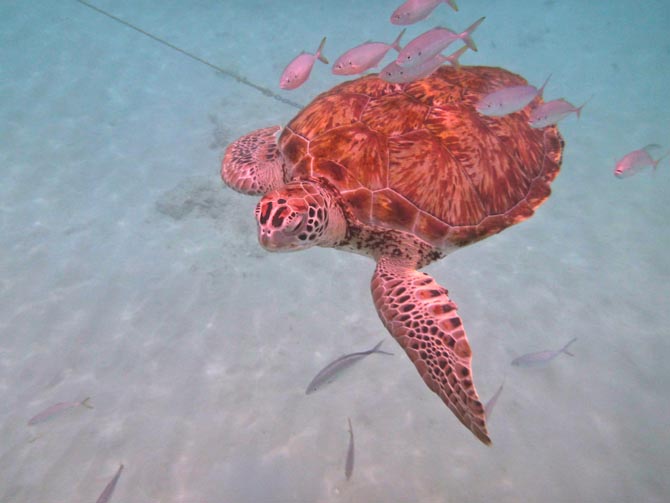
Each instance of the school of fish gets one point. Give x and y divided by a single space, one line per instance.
418 59
423 55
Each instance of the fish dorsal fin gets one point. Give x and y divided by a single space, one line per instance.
540 91
651 147
396 43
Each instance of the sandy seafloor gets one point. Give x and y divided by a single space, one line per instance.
130 274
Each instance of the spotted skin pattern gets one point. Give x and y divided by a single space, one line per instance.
405 174
423 319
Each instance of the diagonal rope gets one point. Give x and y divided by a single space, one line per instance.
239 78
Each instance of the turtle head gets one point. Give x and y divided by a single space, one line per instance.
299 215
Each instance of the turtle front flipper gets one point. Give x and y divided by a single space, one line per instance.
423 319
252 164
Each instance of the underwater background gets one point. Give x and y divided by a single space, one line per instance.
129 274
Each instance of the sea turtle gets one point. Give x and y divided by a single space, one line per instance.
405 174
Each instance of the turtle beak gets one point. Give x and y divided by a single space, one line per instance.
275 240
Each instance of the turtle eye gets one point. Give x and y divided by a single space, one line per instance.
294 223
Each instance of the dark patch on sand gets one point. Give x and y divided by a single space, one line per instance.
196 197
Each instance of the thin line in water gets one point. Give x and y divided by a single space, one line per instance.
239 78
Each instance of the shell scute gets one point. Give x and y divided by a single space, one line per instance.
360 203
390 208
293 147
336 173
419 157
302 169
381 115
447 194
434 229
359 149
328 112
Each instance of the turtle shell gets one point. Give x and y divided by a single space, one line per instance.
418 157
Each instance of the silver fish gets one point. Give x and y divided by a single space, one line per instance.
334 368
509 99
349 464
488 408
398 75
109 488
56 408
550 112
541 357
431 43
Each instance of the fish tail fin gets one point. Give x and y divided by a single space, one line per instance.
396 42
564 349
452 4
540 91
320 56
660 159
579 108
377 346
454 57
379 351
85 403
467 39
465 36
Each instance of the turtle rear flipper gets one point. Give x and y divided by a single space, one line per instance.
252 164
423 319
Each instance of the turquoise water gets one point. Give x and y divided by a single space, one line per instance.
129 274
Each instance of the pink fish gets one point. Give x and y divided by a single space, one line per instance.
415 10
433 42
398 75
297 71
551 112
636 161
364 56
55 409
508 100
